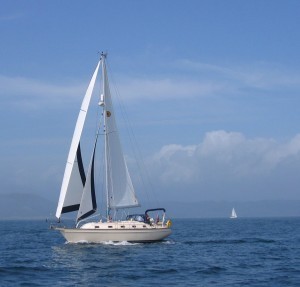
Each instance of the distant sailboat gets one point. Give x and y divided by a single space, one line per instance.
233 214
78 191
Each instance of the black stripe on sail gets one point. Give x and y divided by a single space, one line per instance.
80 165
93 193
86 215
70 208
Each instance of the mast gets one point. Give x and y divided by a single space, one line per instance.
103 57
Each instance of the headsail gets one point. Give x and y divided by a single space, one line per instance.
119 185
72 185
88 203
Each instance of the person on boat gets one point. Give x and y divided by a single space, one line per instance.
157 219
147 219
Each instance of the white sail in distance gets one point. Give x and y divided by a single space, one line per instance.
233 214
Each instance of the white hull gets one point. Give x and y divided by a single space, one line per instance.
75 235
131 231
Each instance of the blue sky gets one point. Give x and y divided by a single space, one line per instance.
212 90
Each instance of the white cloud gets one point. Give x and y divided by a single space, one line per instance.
167 88
25 93
200 80
257 75
281 152
223 156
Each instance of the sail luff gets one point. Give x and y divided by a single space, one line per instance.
70 167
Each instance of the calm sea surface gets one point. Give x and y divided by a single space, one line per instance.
200 252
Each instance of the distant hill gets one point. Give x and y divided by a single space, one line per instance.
32 206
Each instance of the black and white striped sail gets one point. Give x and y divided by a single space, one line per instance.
74 178
88 204
78 191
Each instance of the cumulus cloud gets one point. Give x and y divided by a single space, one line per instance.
228 159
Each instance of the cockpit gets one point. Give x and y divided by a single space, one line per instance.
136 217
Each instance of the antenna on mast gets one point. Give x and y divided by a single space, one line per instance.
102 55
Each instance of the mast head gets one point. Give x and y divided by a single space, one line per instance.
103 55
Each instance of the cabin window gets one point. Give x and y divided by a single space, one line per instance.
122 226
110 226
133 226
144 226
96 226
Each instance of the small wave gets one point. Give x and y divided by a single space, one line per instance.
168 242
21 269
115 243
259 240
210 270
222 241
79 242
118 243
165 271
231 241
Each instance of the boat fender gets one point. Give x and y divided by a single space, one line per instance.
169 223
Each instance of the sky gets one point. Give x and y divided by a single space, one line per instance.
211 89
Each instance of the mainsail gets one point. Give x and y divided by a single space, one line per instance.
119 185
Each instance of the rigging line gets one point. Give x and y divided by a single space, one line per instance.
103 185
137 154
101 174
112 132
110 191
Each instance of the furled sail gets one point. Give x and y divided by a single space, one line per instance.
72 185
119 185
88 203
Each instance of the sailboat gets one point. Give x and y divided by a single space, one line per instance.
233 214
78 190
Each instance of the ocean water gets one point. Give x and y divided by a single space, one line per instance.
200 252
